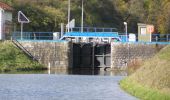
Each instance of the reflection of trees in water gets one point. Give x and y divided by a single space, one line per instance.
87 71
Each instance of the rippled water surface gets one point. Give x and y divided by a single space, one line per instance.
61 87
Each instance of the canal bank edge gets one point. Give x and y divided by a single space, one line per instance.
12 58
151 81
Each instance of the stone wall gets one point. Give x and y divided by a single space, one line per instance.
60 54
56 54
123 54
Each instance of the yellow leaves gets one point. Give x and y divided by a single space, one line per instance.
121 6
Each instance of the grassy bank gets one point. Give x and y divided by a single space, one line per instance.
152 80
12 58
143 92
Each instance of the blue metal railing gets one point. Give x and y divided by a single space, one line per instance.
93 29
33 36
161 37
38 36
140 42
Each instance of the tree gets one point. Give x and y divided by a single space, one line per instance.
46 15
42 18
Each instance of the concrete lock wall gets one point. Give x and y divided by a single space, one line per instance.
60 55
56 54
123 54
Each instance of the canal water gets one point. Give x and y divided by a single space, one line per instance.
63 85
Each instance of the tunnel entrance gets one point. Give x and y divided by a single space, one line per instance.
90 55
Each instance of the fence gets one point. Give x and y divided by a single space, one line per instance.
33 36
160 37
51 36
93 29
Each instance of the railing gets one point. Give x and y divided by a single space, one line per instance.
152 37
33 36
50 35
93 29
161 37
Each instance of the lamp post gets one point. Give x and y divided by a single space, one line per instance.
128 58
125 23
82 16
68 27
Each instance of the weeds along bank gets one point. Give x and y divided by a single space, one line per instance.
152 80
12 58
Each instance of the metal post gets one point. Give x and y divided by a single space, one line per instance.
128 52
62 30
68 27
82 16
1 23
21 31
49 68
167 38
93 56
126 33
150 33
125 23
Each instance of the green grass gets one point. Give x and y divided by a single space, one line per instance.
165 53
142 92
152 80
11 58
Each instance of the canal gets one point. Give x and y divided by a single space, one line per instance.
63 85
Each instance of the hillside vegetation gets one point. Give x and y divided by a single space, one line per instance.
11 59
46 15
152 80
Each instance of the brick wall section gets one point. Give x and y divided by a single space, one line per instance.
58 54
123 53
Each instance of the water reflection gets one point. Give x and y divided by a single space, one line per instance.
88 72
25 72
73 72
